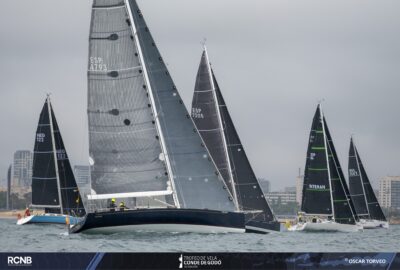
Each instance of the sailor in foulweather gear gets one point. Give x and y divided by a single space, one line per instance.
112 205
122 206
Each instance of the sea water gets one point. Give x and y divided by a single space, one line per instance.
54 238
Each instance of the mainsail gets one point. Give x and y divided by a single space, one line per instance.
141 137
53 180
361 191
325 190
215 125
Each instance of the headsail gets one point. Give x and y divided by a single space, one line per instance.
215 124
141 135
362 193
343 205
70 195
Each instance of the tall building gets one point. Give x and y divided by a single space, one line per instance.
299 187
265 185
284 197
22 169
389 191
82 175
9 188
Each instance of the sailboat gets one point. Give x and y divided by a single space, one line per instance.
362 194
145 151
215 125
326 203
54 188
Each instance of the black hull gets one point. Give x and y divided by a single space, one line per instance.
262 227
188 219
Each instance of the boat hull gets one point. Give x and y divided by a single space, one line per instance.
47 219
262 227
374 224
164 219
326 226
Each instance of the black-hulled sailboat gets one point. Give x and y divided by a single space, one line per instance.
215 125
145 151
365 202
326 203
54 188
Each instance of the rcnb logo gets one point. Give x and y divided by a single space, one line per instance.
19 261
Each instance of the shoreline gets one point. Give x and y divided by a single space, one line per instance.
10 214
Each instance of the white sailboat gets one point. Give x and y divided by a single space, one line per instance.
326 204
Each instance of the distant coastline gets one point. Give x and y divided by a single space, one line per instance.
9 214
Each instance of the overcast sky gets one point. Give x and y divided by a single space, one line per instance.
274 60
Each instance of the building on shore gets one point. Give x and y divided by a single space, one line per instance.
282 197
265 185
299 187
389 192
22 170
9 173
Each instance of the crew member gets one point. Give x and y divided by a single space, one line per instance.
27 212
112 205
122 206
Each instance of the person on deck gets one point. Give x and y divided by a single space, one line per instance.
27 212
122 206
112 205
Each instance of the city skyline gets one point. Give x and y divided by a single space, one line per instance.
271 76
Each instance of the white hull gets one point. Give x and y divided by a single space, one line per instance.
327 226
373 224
25 220
186 228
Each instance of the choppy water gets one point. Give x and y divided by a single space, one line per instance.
51 238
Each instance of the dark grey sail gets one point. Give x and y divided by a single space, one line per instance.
343 205
316 187
362 193
211 115
70 195
206 116
142 138
44 179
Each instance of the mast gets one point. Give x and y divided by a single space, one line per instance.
361 178
327 160
225 145
154 108
55 154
